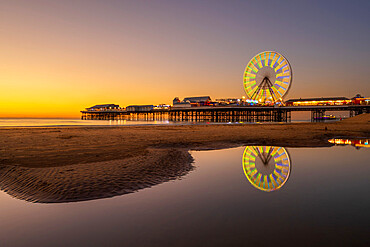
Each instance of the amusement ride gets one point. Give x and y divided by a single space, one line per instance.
267 77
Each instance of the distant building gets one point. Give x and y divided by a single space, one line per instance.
161 107
230 101
105 107
360 100
181 105
201 99
176 101
136 108
236 101
191 101
318 101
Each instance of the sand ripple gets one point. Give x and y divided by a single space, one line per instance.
81 182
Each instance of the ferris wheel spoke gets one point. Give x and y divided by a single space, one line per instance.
260 60
281 67
265 60
276 62
276 88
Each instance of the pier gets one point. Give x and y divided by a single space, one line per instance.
223 113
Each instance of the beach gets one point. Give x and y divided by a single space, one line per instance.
68 164
60 146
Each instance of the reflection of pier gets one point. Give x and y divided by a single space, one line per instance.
225 113
266 167
357 143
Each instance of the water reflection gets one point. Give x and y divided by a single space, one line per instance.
358 143
266 167
82 182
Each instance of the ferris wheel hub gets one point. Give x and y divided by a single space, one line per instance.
266 72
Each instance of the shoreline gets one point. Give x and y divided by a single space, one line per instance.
58 146
151 123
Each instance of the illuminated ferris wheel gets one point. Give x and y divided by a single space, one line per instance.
267 77
267 168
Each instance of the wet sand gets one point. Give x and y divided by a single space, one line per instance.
49 147
82 182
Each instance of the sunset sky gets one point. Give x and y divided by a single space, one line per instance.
58 57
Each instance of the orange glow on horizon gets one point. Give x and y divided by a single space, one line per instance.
59 57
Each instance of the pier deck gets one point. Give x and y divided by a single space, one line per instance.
224 113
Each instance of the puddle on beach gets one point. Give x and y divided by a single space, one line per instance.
247 195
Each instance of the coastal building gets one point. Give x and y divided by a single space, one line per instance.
236 101
359 100
138 108
192 101
201 99
228 101
105 107
181 105
176 100
318 101
161 107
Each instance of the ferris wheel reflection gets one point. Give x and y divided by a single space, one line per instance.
266 167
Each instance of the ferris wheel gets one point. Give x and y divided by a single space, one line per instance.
267 77
270 170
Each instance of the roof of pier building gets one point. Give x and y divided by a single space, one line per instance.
140 106
131 108
104 106
197 99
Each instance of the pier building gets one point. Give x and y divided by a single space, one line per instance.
105 107
139 108
193 101
318 101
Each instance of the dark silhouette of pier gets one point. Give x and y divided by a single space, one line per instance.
224 113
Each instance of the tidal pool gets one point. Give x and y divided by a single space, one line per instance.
254 195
